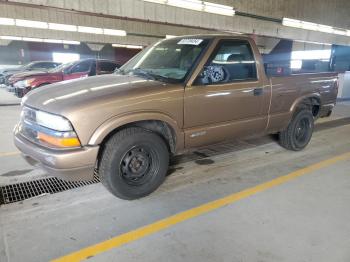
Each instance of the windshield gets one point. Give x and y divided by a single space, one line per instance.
61 67
168 60
27 66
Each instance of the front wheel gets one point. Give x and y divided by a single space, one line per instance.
299 131
134 163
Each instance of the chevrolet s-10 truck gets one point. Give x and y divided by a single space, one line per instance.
177 94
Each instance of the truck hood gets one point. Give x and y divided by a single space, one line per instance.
67 96
92 102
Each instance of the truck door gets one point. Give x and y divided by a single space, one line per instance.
228 98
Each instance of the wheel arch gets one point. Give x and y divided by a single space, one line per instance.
155 122
312 101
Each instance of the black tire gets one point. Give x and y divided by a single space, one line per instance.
299 131
134 163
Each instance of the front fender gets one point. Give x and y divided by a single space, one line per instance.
118 121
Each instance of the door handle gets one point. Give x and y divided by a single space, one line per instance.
258 91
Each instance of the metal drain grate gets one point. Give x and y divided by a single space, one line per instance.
21 191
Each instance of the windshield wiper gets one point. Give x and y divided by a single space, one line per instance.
142 72
163 78
147 74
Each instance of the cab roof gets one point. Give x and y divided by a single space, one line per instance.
212 36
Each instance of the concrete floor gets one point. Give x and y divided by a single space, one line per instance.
8 98
303 220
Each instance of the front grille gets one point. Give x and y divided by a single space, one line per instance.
21 191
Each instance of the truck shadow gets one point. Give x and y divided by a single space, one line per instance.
203 155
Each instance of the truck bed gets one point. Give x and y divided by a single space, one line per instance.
287 91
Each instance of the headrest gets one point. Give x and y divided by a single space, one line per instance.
235 57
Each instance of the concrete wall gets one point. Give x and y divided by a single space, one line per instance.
344 85
341 58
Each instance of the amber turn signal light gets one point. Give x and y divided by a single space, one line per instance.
59 141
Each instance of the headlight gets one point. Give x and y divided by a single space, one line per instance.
48 129
52 121
28 82
24 83
20 84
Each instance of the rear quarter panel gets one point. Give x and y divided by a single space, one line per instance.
288 91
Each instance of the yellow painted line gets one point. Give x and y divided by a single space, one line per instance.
3 154
194 212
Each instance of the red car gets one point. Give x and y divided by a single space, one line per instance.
24 82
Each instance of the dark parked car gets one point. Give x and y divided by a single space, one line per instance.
37 66
24 82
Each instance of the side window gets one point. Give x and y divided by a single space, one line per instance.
51 65
46 65
38 65
107 67
231 61
81 67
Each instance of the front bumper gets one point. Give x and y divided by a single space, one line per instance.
72 165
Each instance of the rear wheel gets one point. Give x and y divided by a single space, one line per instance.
299 131
134 163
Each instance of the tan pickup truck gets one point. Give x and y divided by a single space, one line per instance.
178 94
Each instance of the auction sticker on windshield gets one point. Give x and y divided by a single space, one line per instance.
190 41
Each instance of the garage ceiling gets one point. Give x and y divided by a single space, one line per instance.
145 22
